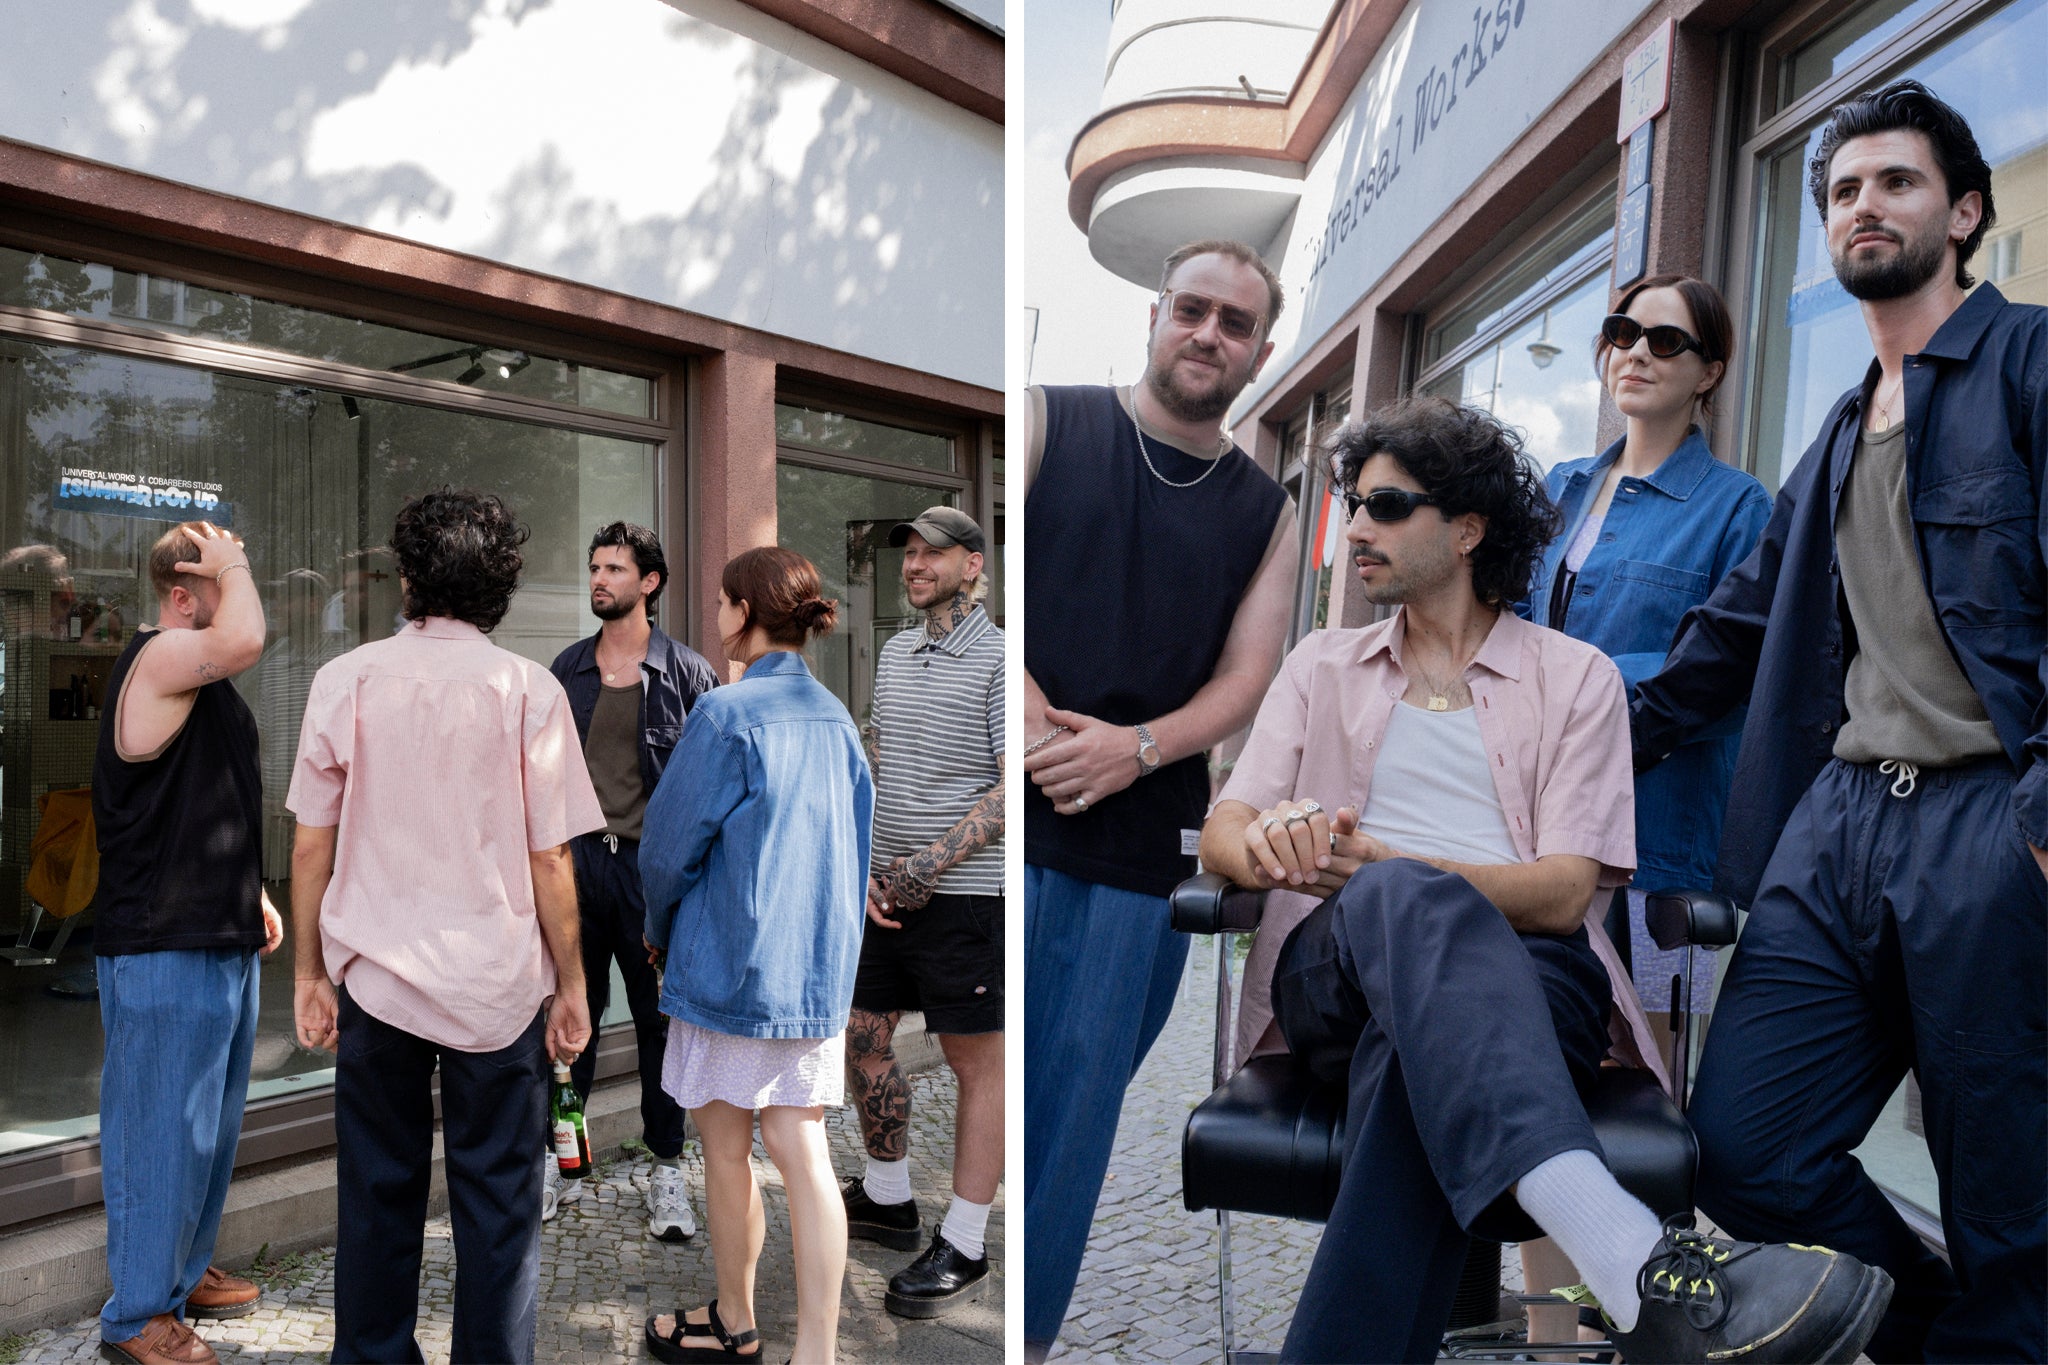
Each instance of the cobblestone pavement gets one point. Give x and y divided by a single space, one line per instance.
601 1276
1147 1290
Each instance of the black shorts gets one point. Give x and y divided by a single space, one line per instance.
946 960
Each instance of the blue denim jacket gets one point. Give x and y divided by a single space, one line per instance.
755 858
672 677
1773 635
1667 540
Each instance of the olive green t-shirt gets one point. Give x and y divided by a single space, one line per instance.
1906 694
612 752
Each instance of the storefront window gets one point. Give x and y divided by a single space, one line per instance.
835 432
1305 473
1522 347
83 289
1845 44
100 453
1808 339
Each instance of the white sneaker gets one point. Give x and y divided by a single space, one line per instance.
550 1186
668 1208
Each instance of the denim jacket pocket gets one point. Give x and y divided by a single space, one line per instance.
1694 585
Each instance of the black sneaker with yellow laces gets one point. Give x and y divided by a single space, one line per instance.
1707 1298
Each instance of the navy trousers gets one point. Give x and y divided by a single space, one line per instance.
493 1123
1462 1045
1893 932
614 913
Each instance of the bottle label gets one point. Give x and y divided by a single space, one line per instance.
568 1152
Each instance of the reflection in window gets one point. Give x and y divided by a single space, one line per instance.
90 290
1810 344
1539 377
818 429
99 455
1862 31
841 523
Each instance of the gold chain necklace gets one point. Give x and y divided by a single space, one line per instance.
1883 408
1440 693
612 673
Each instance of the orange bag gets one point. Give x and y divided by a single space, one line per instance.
64 856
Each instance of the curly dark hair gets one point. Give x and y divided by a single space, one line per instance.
1469 461
644 546
458 553
1911 107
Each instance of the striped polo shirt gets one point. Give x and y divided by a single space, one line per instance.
938 718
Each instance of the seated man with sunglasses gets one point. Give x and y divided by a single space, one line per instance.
1160 562
1453 785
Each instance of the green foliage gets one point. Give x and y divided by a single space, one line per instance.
11 1347
283 1272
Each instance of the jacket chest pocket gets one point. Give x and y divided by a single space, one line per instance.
661 738
1693 585
1983 559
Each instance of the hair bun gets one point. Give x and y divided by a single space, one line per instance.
817 614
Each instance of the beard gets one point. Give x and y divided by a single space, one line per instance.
1206 405
941 590
1905 271
614 608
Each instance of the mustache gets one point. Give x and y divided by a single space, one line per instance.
1363 557
1889 234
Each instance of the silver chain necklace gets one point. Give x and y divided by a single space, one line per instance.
1155 468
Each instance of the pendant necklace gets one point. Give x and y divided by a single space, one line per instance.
1440 693
610 674
1883 413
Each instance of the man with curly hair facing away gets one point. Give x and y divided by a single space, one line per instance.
438 785
1452 784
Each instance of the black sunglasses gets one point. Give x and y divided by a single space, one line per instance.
1190 310
1385 504
1623 331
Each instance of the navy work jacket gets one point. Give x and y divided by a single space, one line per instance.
672 677
1777 635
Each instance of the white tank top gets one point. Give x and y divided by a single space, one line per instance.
1432 792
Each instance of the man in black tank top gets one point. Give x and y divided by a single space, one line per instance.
1159 568
181 920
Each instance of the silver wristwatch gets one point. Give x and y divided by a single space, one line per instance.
1148 752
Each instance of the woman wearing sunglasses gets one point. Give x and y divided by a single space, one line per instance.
1651 524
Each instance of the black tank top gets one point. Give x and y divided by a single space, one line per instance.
179 834
1132 587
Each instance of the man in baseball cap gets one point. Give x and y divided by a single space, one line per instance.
942 528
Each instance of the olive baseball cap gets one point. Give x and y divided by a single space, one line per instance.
941 526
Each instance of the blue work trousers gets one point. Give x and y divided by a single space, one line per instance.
1101 967
614 920
1893 932
493 1120
1462 1045
180 1029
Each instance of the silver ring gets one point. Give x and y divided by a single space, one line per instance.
1294 817
1080 803
1311 808
1268 823
1333 841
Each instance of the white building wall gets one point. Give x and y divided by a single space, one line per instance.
692 152
1200 47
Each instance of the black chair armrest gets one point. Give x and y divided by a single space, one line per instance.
1704 919
1208 903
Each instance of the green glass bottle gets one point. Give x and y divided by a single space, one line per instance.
572 1137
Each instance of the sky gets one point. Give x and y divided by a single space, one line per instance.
1091 324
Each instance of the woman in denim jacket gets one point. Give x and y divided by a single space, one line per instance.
1651 524
755 868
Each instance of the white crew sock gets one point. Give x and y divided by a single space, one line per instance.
1606 1231
888 1182
965 1226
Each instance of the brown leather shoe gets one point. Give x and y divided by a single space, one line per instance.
221 1295
163 1341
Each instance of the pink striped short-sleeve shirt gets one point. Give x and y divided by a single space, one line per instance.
444 760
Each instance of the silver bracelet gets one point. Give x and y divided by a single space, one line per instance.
243 566
1048 737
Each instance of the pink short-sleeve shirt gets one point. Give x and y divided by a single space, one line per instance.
444 760
1553 719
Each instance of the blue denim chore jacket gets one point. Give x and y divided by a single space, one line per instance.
754 857
1667 540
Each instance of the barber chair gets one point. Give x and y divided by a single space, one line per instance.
1270 1138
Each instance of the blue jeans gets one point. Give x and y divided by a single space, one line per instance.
180 1028
1101 967
493 1121
1893 932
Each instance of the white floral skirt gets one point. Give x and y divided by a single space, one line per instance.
700 1066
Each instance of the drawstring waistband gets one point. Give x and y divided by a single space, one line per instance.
1908 775
611 841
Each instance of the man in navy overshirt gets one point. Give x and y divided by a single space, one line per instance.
1890 807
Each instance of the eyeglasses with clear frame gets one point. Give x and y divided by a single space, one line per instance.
1190 310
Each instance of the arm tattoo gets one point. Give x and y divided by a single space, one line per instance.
210 671
871 741
977 829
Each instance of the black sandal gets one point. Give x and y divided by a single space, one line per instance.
670 1348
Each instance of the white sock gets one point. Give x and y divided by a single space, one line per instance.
888 1182
1606 1231
965 1226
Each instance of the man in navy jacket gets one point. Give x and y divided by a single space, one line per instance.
1890 806
630 688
